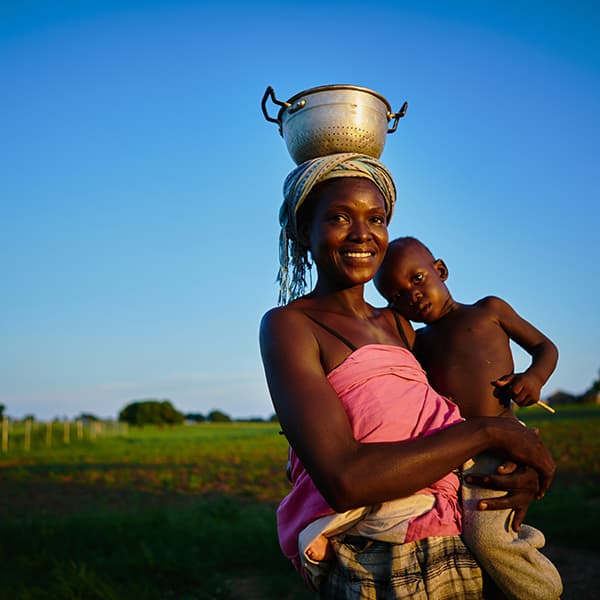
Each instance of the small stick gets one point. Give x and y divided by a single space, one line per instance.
546 406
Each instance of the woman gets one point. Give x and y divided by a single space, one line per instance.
363 425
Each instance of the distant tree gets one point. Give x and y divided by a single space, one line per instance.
148 412
592 395
169 414
216 416
89 417
196 417
273 418
2 409
29 417
596 385
561 398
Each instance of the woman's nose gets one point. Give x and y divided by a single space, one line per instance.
360 231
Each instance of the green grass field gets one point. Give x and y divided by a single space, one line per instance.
189 512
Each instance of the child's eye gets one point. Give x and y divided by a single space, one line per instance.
418 277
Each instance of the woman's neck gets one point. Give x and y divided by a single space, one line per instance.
348 301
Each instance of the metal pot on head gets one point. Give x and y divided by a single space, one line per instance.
333 118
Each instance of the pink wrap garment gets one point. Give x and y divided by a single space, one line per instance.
387 398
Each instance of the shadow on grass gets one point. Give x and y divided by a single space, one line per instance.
147 548
568 515
62 539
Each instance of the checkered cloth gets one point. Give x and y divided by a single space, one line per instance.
438 568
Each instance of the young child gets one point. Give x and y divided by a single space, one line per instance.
465 351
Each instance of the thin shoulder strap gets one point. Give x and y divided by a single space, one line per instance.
333 332
400 329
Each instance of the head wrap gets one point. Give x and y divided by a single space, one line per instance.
296 188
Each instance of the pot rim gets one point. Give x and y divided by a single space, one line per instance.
333 87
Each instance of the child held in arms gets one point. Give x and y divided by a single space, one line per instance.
465 351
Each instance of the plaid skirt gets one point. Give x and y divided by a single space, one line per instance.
436 568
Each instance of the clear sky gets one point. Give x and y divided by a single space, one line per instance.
140 183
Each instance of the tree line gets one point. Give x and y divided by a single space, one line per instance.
152 411
162 412
590 396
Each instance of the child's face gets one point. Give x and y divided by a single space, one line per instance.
412 281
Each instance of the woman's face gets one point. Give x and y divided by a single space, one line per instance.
347 232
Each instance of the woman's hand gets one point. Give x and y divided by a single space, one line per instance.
522 445
521 483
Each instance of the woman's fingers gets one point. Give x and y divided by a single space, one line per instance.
517 501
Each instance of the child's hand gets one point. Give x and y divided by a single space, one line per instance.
522 388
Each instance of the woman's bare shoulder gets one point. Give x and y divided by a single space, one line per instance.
284 323
289 313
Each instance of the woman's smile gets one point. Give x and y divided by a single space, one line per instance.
348 234
356 254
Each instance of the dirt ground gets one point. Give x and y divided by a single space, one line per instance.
580 571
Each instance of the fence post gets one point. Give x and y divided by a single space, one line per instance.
5 434
27 434
67 432
49 434
79 429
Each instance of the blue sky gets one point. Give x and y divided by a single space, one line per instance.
141 183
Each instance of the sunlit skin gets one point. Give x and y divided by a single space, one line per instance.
346 233
465 349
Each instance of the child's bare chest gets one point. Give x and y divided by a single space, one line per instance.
462 360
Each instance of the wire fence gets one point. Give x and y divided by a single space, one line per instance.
29 434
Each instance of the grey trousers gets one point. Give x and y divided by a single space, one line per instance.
512 560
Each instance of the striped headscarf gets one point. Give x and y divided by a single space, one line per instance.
296 188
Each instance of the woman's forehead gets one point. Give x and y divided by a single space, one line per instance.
349 188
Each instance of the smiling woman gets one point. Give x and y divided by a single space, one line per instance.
347 229
364 426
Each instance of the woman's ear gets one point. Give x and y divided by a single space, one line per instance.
441 268
303 237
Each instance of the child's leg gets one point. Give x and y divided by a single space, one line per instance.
511 559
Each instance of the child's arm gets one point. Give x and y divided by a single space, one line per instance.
525 387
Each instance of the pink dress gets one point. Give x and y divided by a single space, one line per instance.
387 398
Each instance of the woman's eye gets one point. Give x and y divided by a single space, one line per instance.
337 218
378 220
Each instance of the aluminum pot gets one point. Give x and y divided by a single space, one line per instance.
333 118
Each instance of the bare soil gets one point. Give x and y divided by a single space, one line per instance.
580 571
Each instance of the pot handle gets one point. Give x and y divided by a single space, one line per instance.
396 117
270 92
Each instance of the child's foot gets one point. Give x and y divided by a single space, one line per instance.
320 549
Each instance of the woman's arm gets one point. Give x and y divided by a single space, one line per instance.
349 473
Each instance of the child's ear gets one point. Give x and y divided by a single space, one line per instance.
441 268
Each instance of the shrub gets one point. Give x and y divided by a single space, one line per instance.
146 412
